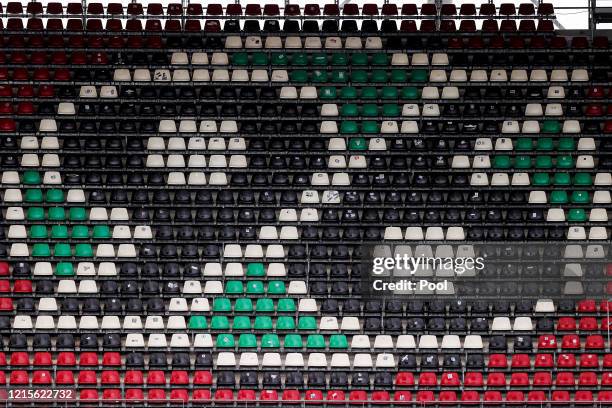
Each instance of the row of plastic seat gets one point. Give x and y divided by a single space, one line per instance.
312 9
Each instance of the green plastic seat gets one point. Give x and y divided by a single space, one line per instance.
299 59
566 143
561 179
101 232
35 214
502 162
380 58
565 162
77 214
318 58
240 58
545 144
31 177
33 195
339 76
379 76
338 341
62 250
540 179
577 215
247 340
339 59
583 179
558 197
349 127
369 127
327 92
197 323
265 305
276 288
551 126
316 341
270 340
56 214
307 323
40 249
255 287
59 232
279 58
241 323
580 197
83 250
524 144
293 341
260 58
255 269
298 75
389 92
80 232
222 305
358 143
419 75
225 340
64 269
349 109
38 231
243 305
219 323
286 305
263 322
399 75
359 76
319 76
369 109
409 92
54 195
390 109
522 162
348 92
285 323
544 162
369 92
234 288
359 58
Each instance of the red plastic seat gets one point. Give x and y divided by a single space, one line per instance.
20 285
519 379
252 10
172 25
95 8
408 26
526 9
594 341
473 379
4 269
547 341
246 395
34 7
74 8
542 379
291 395
7 125
428 26
467 26
25 108
527 26
490 26
135 9
156 377
350 9
180 377
425 397
155 9
545 26
311 9
94 24
193 26
271 10
114 25
428 379
546 9
153 25
389 9
134 25
544 360
174 9
195 9
233 9
14 24
55 8
134 394
381 396
496 380
114 8
498 361
87 377
212 26
404 378
110 377
369 9
560 396
133 377
448 10
587 379
566 360
214 9
600 42
335 395
492 396
6 304
450 380
470 396
590 361
88 394
487 9
156 395
111 394
66 358
268 395
63 377
179 394
429 9
507 9
201 395
202 378
20 358
409 10
14 7
402 396
583 396
536 397
448 26
515 397
313 395
55 24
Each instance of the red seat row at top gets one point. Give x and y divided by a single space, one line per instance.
214 9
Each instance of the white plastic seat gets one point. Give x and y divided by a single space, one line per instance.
478 75
458 75
373 43
518 75
498 75
233 41
399 59
534 109
313 43
439 59
420 59
353 43
579 75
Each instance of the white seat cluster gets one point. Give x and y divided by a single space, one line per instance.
429 233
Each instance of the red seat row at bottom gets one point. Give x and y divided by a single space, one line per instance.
339 396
